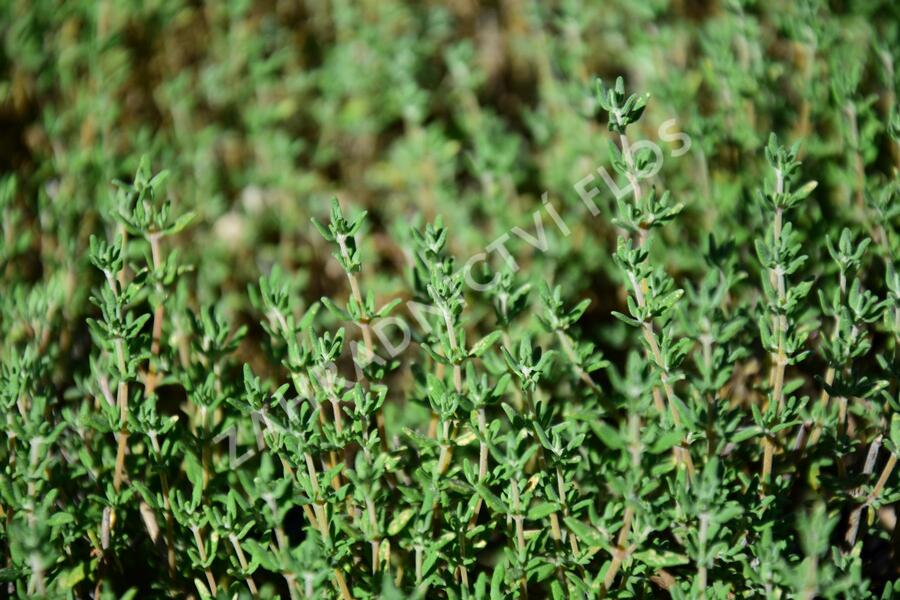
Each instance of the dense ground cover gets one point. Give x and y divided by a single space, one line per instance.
449 299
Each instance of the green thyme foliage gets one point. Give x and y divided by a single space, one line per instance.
449 300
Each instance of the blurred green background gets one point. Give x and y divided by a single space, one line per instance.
264 111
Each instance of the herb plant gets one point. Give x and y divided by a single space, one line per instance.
449 300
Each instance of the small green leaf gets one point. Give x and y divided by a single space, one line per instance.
544 509
400 520
659 559
59 519
485 343
71 577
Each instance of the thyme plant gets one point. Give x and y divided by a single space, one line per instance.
449 300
